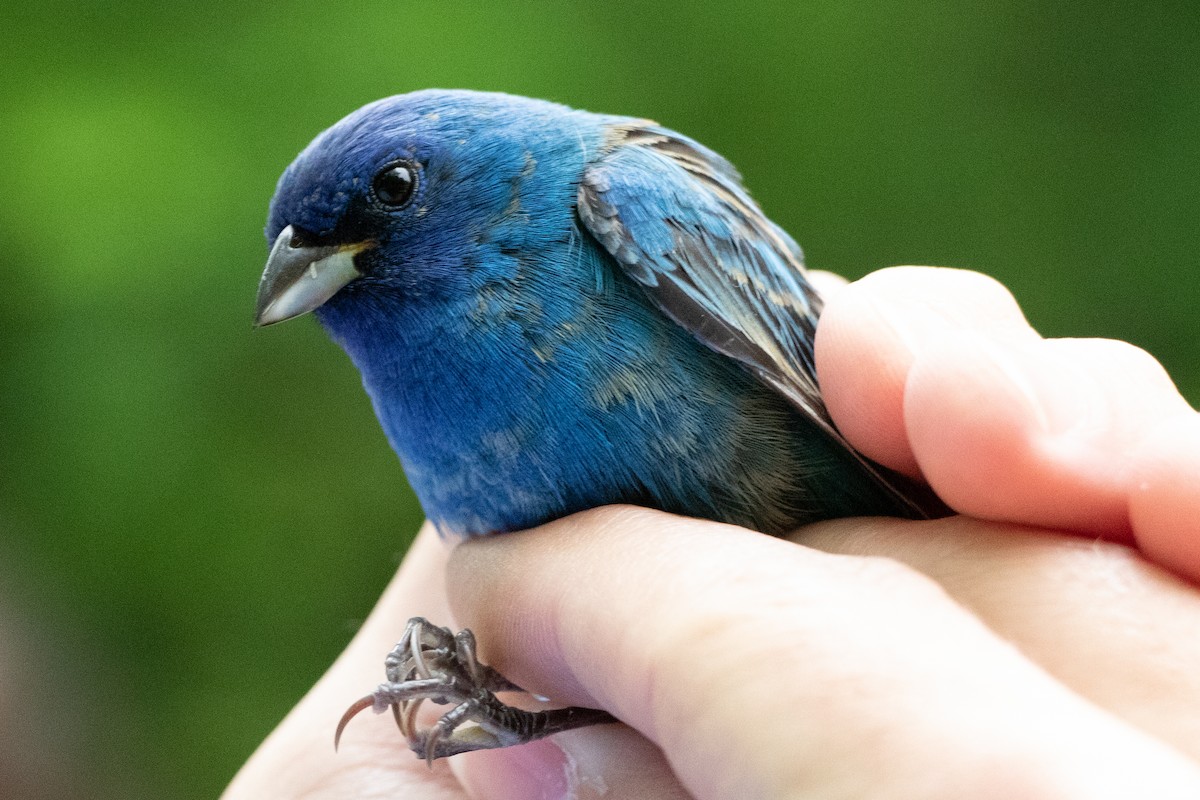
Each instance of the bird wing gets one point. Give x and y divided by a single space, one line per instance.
675 217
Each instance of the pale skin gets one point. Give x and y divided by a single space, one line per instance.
1041 645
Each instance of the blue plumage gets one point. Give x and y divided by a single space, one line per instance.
553 310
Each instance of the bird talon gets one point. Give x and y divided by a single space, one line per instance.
432 663
353 711
430 744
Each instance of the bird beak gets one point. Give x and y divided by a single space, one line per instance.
299 279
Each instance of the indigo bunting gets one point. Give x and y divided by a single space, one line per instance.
553 310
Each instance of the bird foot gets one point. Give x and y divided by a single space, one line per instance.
433 663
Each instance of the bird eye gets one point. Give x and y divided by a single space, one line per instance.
394 185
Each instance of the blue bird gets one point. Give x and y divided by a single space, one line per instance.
554 310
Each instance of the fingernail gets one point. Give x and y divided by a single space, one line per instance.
535 771
585 764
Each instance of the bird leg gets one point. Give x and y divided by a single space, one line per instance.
433 663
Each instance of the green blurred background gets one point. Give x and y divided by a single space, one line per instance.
194 516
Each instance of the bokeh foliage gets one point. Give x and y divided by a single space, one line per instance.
193 515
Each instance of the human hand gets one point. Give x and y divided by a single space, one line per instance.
935 372
857 675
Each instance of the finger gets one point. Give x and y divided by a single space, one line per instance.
870 333
1036 432
936 372
826 283
1096 615
609 761
298 759
768 670
1164 503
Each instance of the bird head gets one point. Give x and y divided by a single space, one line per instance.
386 205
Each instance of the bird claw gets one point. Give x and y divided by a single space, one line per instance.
433 663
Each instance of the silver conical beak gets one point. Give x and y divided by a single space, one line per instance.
299 279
